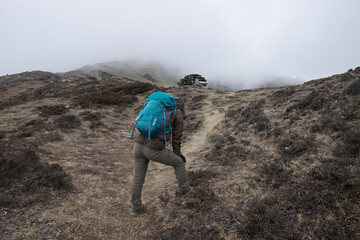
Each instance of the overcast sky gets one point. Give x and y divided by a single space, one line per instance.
236 40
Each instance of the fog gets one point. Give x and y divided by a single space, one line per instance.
230 41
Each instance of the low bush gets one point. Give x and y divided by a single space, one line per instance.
196 102
351 112
47 111
265 219
200 223
334 123
192 228
121 95
262 123
283 94
67 123
227 155
200 177
94 118
314 101
322 204
107 98
192 123
32 127
25 179
353 89
294 145
277 132
252 115
350 147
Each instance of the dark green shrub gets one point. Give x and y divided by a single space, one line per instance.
193 79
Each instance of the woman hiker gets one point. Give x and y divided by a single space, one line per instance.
153 149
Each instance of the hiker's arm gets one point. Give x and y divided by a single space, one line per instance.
177 132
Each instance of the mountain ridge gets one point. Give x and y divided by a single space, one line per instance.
140 71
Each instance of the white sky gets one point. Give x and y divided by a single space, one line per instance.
225 39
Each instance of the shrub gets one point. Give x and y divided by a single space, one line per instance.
353 89
200 177
193 79
351 112
67 122
350 146
120 95
283 94
357 70
195 103
317 206
31 127
24 178
46 111
94 118
314 101
193 123
107 98
334 123
294 145
263 123
225 154
277 132
253 115
264 219
202 202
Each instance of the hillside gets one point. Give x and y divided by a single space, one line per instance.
270 163
152 72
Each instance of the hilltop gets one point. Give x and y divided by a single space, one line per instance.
151 72
267 163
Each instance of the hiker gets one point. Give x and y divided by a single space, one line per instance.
148 148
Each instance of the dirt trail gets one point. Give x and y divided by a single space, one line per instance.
212 116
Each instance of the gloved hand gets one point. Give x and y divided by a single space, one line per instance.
183 158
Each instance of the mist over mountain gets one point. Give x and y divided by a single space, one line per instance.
143 71
164 75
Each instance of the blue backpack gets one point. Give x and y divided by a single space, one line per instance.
154 118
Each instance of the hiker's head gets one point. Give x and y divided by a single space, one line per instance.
180 104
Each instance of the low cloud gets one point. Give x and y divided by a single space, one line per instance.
240 43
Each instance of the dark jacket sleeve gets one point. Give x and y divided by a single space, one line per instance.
178 127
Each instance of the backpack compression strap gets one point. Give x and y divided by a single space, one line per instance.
170 127
136 120
165 119
149 128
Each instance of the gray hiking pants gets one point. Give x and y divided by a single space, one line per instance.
142 155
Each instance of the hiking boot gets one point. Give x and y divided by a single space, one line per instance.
138 212
186 192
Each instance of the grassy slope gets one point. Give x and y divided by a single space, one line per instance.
264 163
